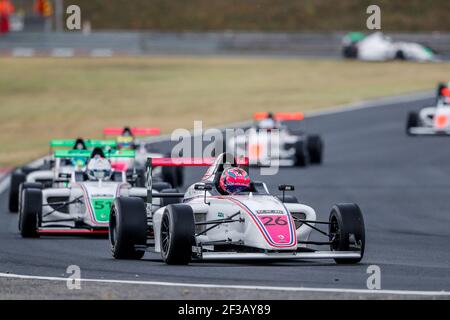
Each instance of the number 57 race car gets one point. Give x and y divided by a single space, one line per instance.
212 225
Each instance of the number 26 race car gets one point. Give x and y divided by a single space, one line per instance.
214 222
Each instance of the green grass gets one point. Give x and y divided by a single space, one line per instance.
44 98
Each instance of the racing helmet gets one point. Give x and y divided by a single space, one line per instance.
234 180
99 168
126 140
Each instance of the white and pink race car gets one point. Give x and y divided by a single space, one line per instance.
210 225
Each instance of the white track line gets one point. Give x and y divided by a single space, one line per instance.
238 287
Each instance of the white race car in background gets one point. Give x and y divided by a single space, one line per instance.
209 225
379 47
136 166
433 120
51 168
287 148
75 205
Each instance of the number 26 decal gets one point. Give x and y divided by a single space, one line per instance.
270 221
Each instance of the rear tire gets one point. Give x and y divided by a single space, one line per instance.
412 122
128 228
173 175
315 148
158 186
177 234
167 201
347 231
30 213
301 154
17 178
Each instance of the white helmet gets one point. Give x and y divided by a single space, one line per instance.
99 168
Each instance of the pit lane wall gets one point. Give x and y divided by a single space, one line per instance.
100 44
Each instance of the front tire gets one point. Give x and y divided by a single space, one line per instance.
315 148
412 122
301 154
128 228
177 234
17 178
347 232
30 213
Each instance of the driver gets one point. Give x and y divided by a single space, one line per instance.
126 140
234 180
99 169
269 123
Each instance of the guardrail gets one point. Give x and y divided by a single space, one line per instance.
326 45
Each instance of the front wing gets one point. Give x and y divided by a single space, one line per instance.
281 256
429 131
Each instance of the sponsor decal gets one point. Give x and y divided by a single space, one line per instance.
269 212
220 214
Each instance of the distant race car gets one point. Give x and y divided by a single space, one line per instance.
131 139
211 225
433 120
379 47
78 203
50 168
288 149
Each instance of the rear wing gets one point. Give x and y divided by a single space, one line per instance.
279 116
115 131
71 154
179 162
91 144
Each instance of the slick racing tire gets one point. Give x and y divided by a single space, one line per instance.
159 186
17 178
128 228
412 122
30 213
315 148
177 234
173 175
346 231
166 201
28 185
301 154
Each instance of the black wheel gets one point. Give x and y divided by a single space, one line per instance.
30 213
301 154
288 198
177 234
347 232
315 148
166 201
171 175
350 51
17 178
28 185
400 55
141 178
158 186
128 228
412 122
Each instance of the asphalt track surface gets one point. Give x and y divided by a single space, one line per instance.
401 184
